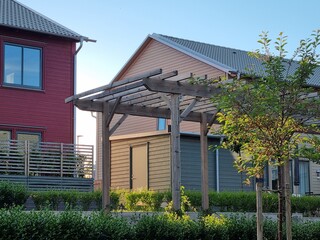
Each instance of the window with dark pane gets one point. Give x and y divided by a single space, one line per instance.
22 66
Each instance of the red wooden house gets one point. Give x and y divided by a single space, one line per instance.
37 64
37 74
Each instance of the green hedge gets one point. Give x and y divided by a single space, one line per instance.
12 194
143 200
18 224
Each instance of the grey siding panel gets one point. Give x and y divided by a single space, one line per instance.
314 181
159 161
230 179
191 164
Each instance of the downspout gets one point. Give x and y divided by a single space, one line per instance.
217 167
75 89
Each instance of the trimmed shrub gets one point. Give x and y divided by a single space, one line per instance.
97 196
85 200
241 226
194 198
270 202
46 200
144 200
18 224
70 199
308 205
108 227
167 226
214 227
12 194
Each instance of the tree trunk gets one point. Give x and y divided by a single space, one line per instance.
259 183
280 201
288 200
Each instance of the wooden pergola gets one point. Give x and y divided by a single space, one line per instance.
159 95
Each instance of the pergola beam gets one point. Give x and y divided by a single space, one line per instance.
136 110
172 87
114 84
118 123
114 107
211 121
188 109
114 91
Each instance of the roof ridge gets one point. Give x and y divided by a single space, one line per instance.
201 42
189 51
45 17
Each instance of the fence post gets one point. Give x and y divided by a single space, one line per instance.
26 157
61 160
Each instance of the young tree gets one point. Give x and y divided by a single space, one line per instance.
263 113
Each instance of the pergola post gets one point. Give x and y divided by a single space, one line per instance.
106 158
204 161
175 151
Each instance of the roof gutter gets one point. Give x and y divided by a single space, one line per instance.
75 88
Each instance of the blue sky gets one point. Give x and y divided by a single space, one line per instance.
120 26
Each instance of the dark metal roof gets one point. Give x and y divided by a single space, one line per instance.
226 59
16 15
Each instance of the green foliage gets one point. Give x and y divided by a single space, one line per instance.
166 226
12 194
46 200
70 199
85 199
194 198
270 202
18 224
262 112
241 226
184 203
214 227
97 197
144 200
308 205
108 227
307 230
233 201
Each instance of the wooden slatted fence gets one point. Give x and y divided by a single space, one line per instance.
41 165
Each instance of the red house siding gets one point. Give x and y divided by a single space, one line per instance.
40 110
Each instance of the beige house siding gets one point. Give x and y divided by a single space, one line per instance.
134 124
314 181
159 161
157 55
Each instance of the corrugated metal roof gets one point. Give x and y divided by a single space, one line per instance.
16 15
227 59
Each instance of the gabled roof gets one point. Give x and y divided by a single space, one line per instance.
229 60
16 15
233 60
